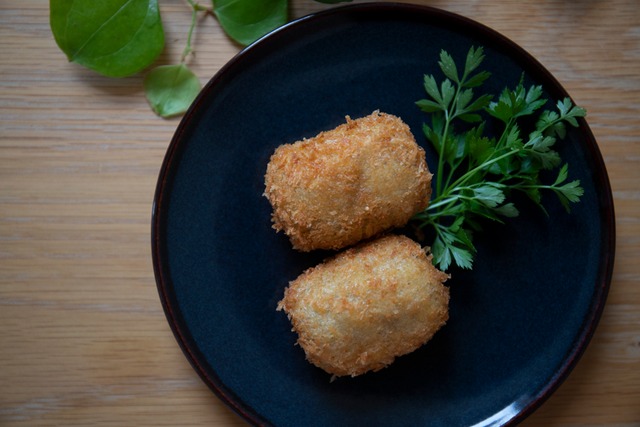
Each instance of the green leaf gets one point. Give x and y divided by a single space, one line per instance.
513 138
170 89
464 97
462 257
453 245
500 110
577 111
428 106
572 121
563 174
534 194
564 106
569 112
516 103
552 123
465 111
448 66
454 228
247 20
570 192
539 149
456 148
490 194
431 87
448 92
477 79
451 144
116 38
434 131
473 60
479 148
444 254
546 119
480 103
533 94
508 209
463 236
441 254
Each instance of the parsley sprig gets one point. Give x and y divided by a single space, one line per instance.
477 173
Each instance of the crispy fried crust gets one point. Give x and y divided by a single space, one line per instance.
347 184
369 304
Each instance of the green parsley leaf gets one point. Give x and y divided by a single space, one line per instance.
428 106
431 87
569 192
448 66
508 210
478 79
489 194
448 92
473 60
477 173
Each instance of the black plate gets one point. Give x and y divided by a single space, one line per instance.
519 321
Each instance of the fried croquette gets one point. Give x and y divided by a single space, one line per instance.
369 304
347 184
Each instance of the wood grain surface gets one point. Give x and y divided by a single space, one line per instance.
83 338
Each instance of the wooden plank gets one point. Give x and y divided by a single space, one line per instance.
84 340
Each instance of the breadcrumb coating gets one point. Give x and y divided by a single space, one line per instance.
347 184
359 310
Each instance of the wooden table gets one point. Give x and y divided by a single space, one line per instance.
83 338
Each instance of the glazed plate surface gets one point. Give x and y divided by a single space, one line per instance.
519 321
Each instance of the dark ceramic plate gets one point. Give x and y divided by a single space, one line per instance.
519 321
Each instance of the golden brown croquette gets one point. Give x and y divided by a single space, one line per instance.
369 304
347 184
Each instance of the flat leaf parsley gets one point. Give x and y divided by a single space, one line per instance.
477 173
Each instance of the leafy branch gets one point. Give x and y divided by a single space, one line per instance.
477 173
119 38
170 89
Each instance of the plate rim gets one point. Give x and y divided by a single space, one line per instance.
606 206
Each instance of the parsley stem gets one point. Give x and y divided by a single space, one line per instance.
505 133
449 115
483 166
450 199
443 142
452 171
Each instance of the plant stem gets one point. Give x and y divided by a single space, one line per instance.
443 142
195 8
464 178
449 115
